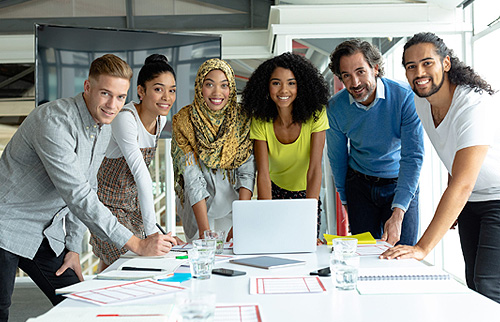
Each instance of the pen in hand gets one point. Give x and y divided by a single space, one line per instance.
177 240
161 229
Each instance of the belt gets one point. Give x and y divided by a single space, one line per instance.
372 179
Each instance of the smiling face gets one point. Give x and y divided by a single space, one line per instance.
215 90
105 96
283 87
359 78
425 70
159 94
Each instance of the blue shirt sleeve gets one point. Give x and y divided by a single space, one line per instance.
412 154
337 152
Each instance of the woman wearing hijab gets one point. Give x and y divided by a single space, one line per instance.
212 153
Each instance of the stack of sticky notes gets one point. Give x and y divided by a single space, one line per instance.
364 238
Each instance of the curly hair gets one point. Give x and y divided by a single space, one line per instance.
351 47
312 90
459 73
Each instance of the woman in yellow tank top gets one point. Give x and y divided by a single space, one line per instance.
286 98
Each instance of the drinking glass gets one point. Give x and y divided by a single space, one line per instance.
344 263
345 245
201 258
195 305
219 236
344 270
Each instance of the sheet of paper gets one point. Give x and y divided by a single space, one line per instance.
124 292
119 275
237 313
167 265
421 272
407 280
285 285
131 254
410 287
88 285
223 257
186 247
183 247
124 313
371 250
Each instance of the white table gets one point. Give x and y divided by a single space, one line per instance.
332 305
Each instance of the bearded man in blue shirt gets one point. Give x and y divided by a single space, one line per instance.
375 146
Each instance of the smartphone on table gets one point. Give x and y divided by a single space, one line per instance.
227 272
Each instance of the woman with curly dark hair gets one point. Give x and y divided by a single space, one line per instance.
286 97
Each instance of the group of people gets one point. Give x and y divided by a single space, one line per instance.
69 166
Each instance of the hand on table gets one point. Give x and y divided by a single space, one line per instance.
403 252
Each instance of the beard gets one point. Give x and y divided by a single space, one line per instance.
433 90
361 99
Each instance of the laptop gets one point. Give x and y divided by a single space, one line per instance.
274 226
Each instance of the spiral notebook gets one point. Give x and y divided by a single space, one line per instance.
402 274
407 280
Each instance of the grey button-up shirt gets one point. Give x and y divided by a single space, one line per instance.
47 173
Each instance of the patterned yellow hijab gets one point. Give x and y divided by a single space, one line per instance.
219 139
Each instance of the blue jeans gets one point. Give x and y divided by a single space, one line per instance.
41 269
369 206
479 229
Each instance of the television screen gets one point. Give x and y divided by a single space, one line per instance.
63 56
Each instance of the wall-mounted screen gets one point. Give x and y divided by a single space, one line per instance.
63 56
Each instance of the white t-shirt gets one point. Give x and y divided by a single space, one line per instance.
129 136
473 119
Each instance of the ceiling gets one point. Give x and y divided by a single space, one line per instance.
19 16
444 3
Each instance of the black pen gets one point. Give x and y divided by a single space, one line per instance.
161 229
145 269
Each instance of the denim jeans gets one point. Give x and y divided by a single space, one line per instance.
41 269
369 207
479 229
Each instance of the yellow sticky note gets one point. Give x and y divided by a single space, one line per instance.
364 238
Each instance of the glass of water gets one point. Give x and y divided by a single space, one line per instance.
344 268
201 258
219 236
195 305
345 245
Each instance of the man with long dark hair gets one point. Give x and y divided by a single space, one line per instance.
460 115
